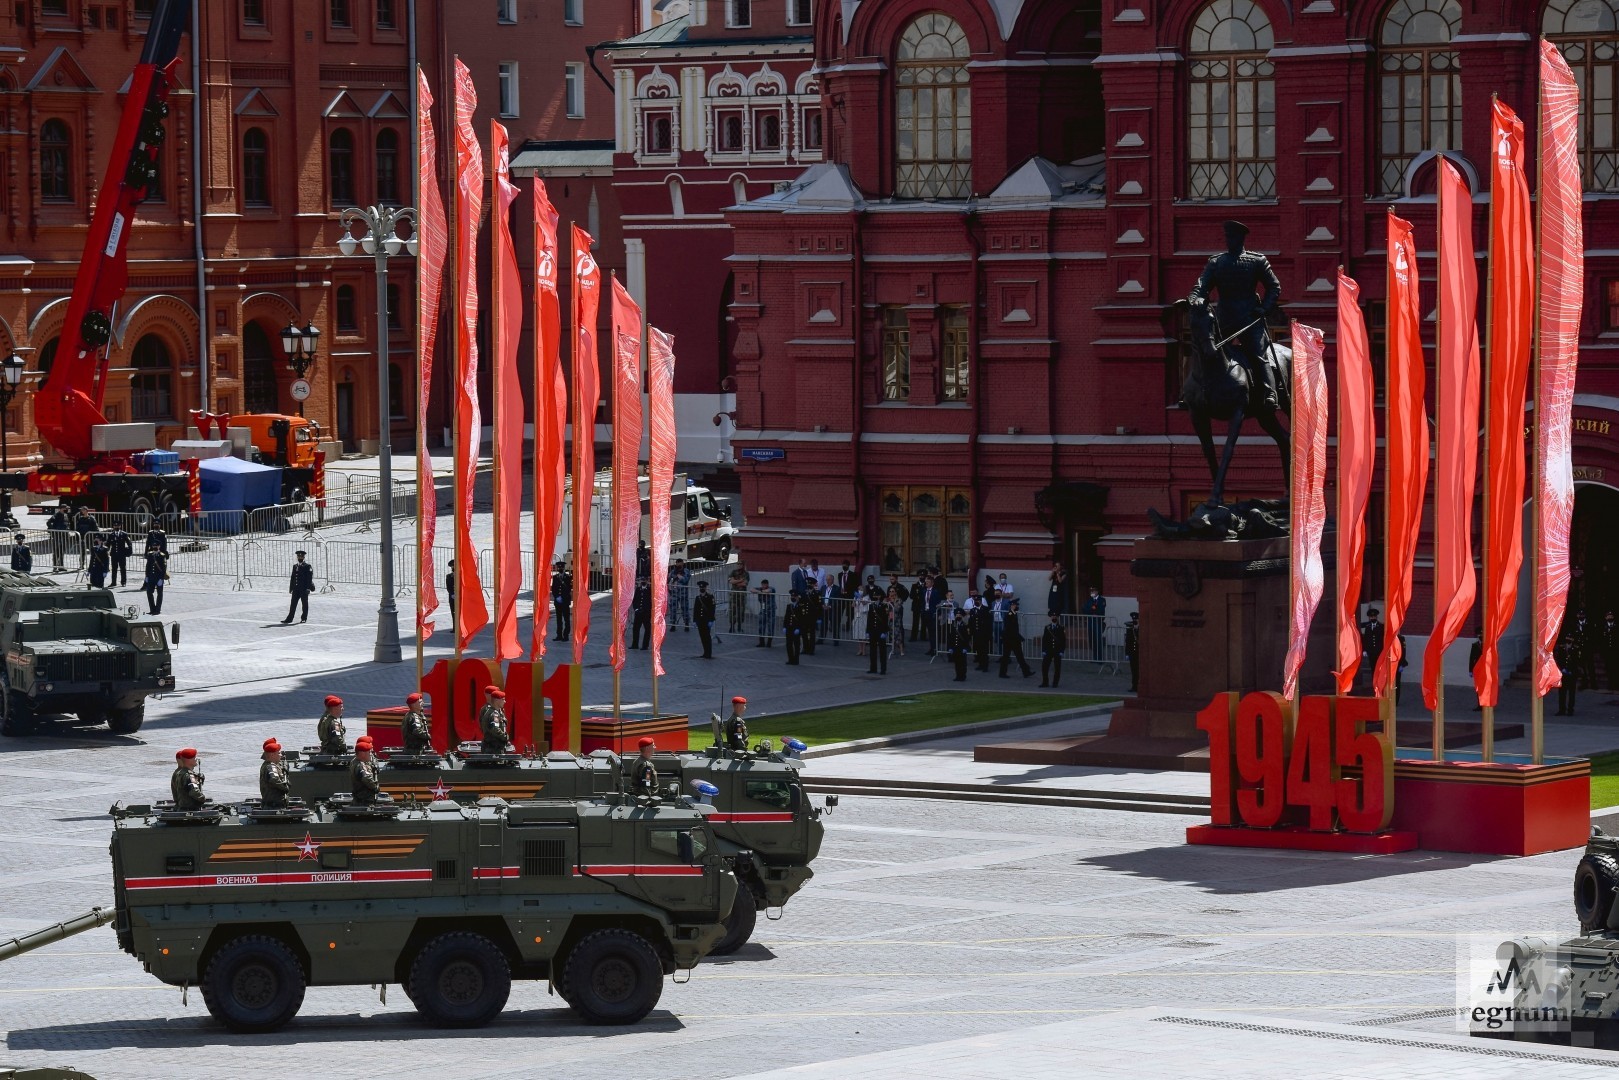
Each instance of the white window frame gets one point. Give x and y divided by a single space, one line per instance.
735 7
573 81
573 12
509 101
809 12
506 12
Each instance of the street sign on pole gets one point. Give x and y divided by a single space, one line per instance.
301 390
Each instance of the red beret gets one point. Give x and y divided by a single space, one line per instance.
271 746
646 740
363 743
491 689
739 700
497 693
411 699
333 701
185 754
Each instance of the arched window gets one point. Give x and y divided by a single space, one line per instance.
1419 86
1231 119
1587 32
55 162
255 168
348 318
767 131
151 388
388 167
933 125
340 165
260 394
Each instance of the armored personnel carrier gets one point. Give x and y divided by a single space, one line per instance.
600 898
762 821
69 650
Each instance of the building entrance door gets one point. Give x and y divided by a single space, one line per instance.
345 417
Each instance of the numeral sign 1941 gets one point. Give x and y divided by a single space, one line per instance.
1273 765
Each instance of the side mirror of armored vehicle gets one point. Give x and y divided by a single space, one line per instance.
174 633
831 801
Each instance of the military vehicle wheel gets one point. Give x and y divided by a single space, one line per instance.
459 980
1596 881
739 924
254 984
613 977
126 721
16 716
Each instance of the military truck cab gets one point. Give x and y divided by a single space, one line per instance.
69 650
453 901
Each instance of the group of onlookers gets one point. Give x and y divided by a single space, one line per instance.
103 554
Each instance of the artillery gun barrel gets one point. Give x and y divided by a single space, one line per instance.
40 938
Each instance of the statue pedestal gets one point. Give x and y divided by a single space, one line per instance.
1214 617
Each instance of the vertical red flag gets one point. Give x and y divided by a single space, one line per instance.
587 285
472 611
1308 495
1456 408
1562 286
1357 441
660 386
1406 474
1512 301
550 409
626 459
507 329
432 242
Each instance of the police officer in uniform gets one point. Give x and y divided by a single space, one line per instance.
416 729
100 562
644 774
120 548
1012 642
274 787
877 631
736 728
959 641
492 720
562 600
364 783
1053 641
980 624
1132 648
185 786
1234 274
1371 640
330 728
789 627
22 557
301 585
702 613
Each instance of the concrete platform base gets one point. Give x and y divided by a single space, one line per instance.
1383 843
1116 751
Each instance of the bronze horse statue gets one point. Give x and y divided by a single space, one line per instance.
1218 387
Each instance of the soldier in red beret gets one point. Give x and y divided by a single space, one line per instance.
186 784
644 775
331 728
416 730
492 721
364 782
274 787
736 728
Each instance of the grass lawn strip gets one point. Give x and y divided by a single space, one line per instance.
914 712
1604 780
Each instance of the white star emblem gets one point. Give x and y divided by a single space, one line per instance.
440 790
307 849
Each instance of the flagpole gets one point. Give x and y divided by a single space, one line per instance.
1294 513
422 506
646 413
1439 439
1537 706
1385 701
497 382
612 501
1337 500
453 248
1487 746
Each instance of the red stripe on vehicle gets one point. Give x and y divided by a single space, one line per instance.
496 871
751 819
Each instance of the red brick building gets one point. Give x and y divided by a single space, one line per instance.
299 109
954 338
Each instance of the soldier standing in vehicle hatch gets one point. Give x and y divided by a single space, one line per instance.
736 728
644 774
492 721
364 783
274 787
416 729
330 729
185 786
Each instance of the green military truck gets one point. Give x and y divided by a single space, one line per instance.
762 820
599 898
69 650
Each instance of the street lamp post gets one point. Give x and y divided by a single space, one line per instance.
11 368
381 240
300 347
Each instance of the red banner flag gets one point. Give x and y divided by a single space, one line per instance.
507 329
1357 441
471 610
1308 495
1456 409
432 244
1406 474
1562 289
550 409
1512 301
587 285
626 459
660 386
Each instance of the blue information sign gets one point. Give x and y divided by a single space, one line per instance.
764 453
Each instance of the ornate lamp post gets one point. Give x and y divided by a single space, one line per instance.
300 347
11 368
381 240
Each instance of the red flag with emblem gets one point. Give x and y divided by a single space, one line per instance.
472 610
550 409
660 387
626 460
587 285
432 240
507 328
1357 450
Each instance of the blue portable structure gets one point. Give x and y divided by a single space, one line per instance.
231 487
